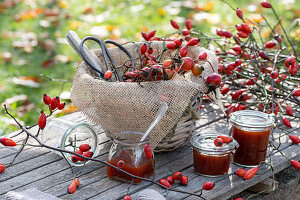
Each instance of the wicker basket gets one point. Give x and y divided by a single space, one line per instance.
183 130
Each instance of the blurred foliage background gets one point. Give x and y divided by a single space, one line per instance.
33 49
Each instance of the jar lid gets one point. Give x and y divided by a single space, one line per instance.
252 118
205 142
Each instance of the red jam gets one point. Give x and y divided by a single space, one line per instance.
253 146
211 164
144 170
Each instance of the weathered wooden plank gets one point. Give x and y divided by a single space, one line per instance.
29 165
26 155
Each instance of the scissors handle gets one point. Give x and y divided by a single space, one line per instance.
84 56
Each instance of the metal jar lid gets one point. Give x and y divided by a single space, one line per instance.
252 119
205 143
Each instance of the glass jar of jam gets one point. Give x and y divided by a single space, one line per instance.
251 129
127 147
211 160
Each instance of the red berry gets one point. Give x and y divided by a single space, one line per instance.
193 42
218 142
238 62
84 147
61 106
263 55
42 120
286 122
230 110
289 110
127 197
88 154
289 61
151 34
231 66
250 173
47 99
54 103
295 139
145 36
202 56
171 46
274 75
8 142
150 50
237 94
296 164
242 34
227 34
225 90
187 64
148 151
245 28
266 4
143 49
72 187
178 41
188 24
296 92
239 198
240 172
174 24
237 48
226 139
208 185
170 179
79 152
183 51
74 158
177 175
164 182
184 180
108 75
121 164
239 13
185 32
214 79
77 182
270 44
2 168
220 68
293 69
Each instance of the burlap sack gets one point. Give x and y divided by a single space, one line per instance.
125 106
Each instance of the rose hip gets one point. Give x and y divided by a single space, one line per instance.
84 147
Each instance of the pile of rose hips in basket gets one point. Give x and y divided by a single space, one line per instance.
152 69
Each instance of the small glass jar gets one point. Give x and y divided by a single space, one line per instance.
211 160
128 148
251 129
66 135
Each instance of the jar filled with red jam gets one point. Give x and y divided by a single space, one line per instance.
251 129
211 160
128 153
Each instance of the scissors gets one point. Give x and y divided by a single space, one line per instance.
109 61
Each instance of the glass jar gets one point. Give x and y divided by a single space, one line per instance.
66 135
128 148
251 129
211 160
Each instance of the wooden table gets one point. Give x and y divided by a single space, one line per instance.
42 169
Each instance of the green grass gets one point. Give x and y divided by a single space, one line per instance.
128 17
